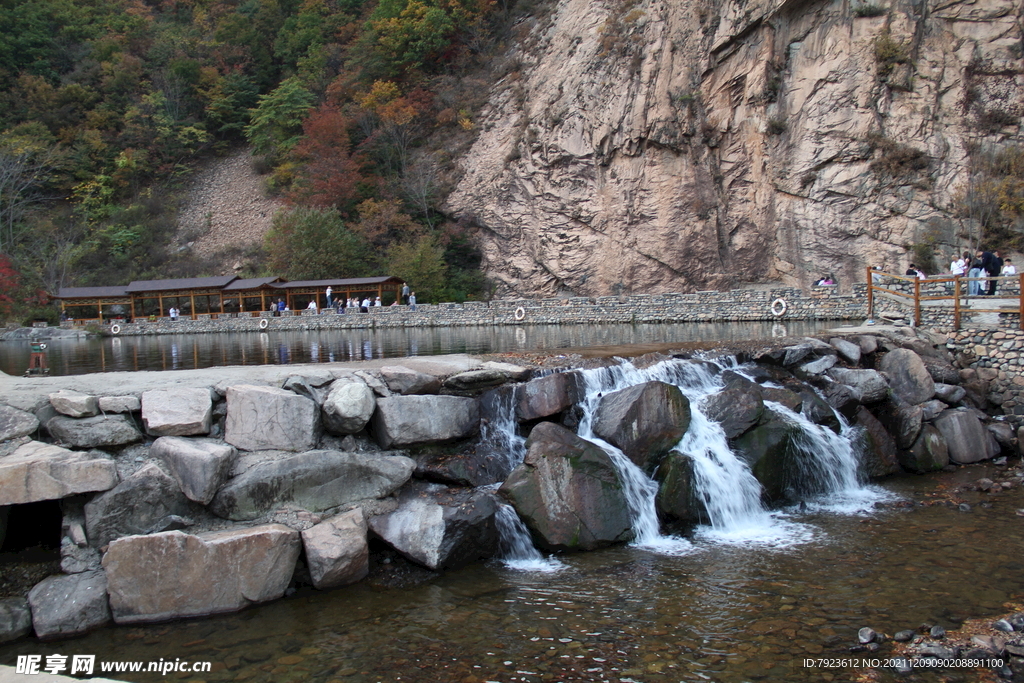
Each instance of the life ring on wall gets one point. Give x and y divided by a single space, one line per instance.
115 329
520 313
779 307
263 323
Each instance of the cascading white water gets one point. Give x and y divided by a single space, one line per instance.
517 549
501 432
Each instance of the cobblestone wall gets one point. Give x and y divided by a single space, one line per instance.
821 303
994 357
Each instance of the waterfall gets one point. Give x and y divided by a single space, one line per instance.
501 431
517 549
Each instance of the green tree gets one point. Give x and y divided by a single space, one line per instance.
313 244
420 262
276 123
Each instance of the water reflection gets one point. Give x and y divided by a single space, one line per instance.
176 352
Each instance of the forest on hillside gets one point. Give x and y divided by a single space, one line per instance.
354 110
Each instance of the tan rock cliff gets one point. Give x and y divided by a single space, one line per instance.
674 146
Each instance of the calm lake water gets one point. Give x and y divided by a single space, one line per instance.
722 612
186 351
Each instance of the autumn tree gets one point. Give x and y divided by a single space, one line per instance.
383 222
420 262
327 174
311 244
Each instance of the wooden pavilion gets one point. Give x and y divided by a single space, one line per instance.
213 295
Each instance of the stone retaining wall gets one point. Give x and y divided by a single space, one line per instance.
995 357
821 303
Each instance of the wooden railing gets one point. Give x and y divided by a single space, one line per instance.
957 297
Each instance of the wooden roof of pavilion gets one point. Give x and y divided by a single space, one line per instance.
252 283
226 283
344 282
91 292
183 283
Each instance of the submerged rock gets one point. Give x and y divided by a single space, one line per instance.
677 498
568 492
644 421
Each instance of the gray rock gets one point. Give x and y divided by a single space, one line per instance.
94 432
308 387
928 454
200 466
901 420
473 382
568 492
645 421
937 631
179 411
949 393
877 447
736 409
315 481
409 420
869 384
173 575
1002 625
941 371
868 344
931 409
866 635
37 471
908 376
267 418
769 451
846 400
485 465
74 403
815 367
516 373
783 396
15 619
405 381
75 559
677 498
967 439
69 605
348 408
119 404
1003 433
134 506
336 550
374 382
440 529
548 395
903 636
849 351
16 423
818 411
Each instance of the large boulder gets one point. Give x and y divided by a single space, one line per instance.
479 467
878 449
736 409
849 351
16 423
38 471
928 454
200 466
966 437
769 451
178 411
441 529
137 505
941 371
64 606
645 421
473 382
267 418
173 575
902 421
101 431
412 420
348 408
908 376
549 395
677 498
568 492
869 384
405 381
336 550
15 619
815 409
315 481
74 403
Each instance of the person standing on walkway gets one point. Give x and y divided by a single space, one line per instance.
994 270
329 291
974 286
412 301
405 293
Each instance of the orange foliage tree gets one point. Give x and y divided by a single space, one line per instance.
328 175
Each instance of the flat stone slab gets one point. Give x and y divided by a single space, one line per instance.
407 420
74 403
16 423
173 575
266 418
120 404
179 411
39 471
94 432
69 605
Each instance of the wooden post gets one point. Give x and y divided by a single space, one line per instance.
192 298
956 303
1020 300
917 302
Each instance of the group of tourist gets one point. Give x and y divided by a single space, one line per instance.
984 264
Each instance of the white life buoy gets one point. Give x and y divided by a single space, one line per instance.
520 313
263 323
779 307
115 329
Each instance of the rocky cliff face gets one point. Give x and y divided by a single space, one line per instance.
650 146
